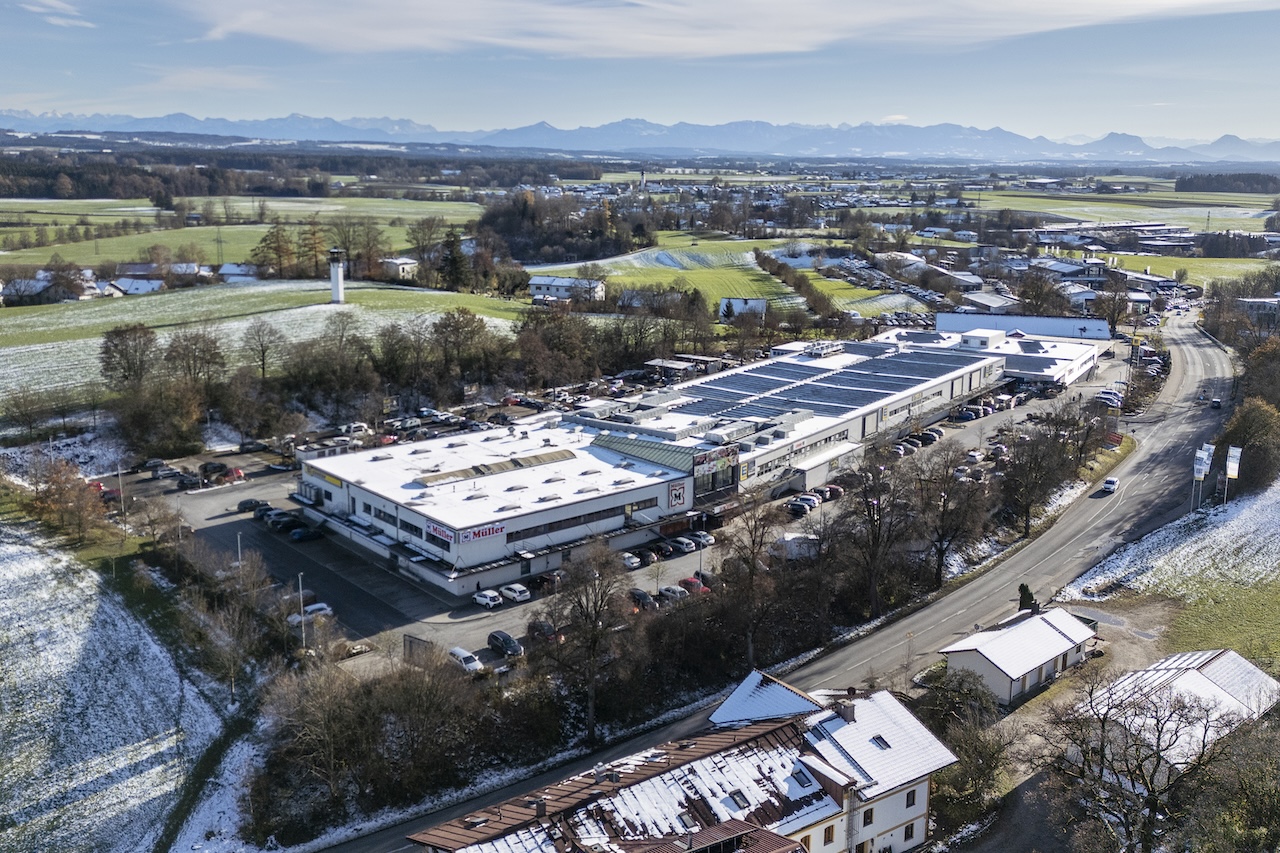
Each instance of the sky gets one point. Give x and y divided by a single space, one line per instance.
1167 69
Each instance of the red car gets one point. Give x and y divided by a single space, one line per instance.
693 586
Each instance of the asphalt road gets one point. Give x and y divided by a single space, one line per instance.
1155 489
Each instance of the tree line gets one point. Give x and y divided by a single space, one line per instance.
1234 182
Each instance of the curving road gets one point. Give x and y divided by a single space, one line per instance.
1155 488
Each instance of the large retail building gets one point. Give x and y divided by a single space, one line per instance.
475 510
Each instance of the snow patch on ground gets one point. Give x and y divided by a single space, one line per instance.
97 454
1236 544
100 729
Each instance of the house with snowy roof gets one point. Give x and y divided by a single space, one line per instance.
1021 653
779 770
562 287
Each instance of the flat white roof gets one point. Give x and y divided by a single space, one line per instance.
464 479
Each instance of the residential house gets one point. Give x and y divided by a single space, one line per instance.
1023 652
399 268
238 273
561 287
848 776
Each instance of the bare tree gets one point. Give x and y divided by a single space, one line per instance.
589 607
950 511
875 522
1131 759
745 567
26 407
262 339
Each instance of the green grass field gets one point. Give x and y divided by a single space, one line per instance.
1196 211
237 240
1232 618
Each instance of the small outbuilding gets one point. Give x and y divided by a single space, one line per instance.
1023 652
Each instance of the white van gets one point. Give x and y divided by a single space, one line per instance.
357 428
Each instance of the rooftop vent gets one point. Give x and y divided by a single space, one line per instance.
548 499
589 472
456 444
554 480
475 496
517 487
624 481
508 508
585 489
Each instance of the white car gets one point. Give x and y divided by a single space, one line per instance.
463 658
1110 484
631 561
487 598
515 592
309 613
702 537
682 544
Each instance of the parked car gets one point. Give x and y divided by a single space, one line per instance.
310 613
152 464
701 538
808 500
646 557
641 600
1110 484
1215 403
834 492
683 545
542 631
548 581
798 508
487 598
305 534
709 579
693 586
505 644
249 505
164 473
463 658
662 549
209 470
631 561
261 512
673 594
190 481
515 592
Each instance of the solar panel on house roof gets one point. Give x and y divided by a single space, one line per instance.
848 397
866 349
705 408
914 369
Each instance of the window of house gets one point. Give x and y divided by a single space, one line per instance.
829 834
806 842
908 832
802 778
687 821
880 742
868 815
739 799
911 798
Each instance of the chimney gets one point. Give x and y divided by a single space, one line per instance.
845 708
598 771
336 256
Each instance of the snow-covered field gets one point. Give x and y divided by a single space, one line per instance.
1237 544
99 727
74 361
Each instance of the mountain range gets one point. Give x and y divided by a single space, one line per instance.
637 137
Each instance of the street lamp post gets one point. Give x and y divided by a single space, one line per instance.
302 615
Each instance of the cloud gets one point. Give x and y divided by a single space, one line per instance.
896 118
58 13
196 79
673 29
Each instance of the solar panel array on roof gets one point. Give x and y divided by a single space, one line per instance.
913 367
705 408
759 409
791 371
787 403
747 383
868 350
861 379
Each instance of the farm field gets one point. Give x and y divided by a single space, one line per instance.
57 346
1199 270
1235 211
237 240
719 268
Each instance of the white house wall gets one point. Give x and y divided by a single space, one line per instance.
890 816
